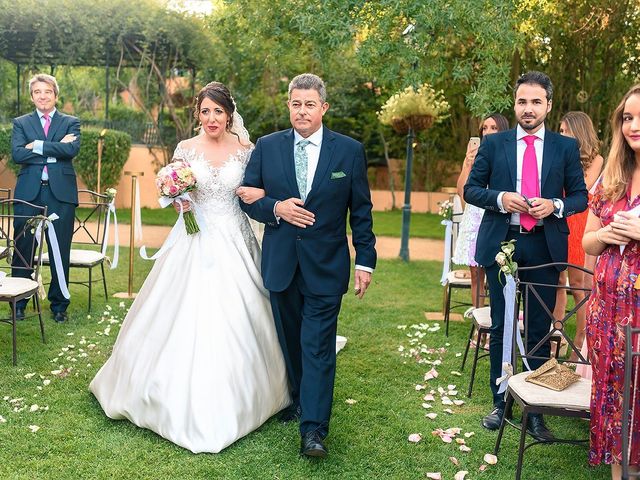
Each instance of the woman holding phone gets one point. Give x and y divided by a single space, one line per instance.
468 233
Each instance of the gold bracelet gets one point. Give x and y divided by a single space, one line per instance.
598 237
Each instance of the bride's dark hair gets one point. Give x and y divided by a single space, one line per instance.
219 93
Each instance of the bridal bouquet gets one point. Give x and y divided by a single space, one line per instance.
175 181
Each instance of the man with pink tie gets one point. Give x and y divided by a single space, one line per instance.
528 180
44 144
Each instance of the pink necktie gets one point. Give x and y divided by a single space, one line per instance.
47 124
530 186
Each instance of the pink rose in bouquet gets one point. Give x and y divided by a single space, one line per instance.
175 181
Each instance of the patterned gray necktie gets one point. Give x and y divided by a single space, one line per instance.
301 161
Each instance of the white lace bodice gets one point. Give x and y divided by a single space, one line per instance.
215 202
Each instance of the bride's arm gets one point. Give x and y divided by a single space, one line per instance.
250 194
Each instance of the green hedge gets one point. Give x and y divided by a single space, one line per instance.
117 146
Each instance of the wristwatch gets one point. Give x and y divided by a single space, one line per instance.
557 205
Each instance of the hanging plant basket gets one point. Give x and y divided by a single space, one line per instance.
417 122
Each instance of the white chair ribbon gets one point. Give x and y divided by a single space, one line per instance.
55 251
175 232
446 263
116 241
509 293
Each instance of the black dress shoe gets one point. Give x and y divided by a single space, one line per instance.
290 414
312 446
19 313
59 317
537 429
494 419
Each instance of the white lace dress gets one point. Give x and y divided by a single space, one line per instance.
197 359
465 250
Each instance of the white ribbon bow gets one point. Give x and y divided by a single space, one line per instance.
116 241
509 293
446 263
177 229
55 251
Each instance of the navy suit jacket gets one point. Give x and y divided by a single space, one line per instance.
495 170
62 176
339 186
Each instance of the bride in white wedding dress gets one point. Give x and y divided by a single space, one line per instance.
197 359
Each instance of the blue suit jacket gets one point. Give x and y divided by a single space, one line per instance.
495 170
62 176
339 186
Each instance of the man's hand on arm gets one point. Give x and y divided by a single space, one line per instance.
362 279
291 211
68 138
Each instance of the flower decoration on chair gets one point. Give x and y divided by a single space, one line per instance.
414 108
504 259
174 181
110 193
446 209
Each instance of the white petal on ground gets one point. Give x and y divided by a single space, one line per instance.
460 475
490 459
465 449
415 437
434 476
350 401
432 416
34 428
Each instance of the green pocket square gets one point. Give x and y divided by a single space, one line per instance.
335 175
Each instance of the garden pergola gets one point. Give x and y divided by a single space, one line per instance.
21 47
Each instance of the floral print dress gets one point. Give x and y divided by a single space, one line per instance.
613 304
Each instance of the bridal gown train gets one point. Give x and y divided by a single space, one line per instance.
197 359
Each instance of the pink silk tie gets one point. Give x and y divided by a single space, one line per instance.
530 186
47 124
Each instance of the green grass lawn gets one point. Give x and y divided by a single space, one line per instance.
388 223
368 438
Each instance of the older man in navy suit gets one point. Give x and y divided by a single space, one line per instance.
527 164
44 144
313 180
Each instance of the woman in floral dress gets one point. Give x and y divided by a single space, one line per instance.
615 301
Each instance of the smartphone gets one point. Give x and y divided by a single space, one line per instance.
524 197
474 142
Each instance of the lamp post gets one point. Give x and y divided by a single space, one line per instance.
100 148
406 207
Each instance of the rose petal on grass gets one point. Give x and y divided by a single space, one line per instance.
448 410
457 374
460 475
459 354
469 434
490 459
458 403
426 405
431 416
455 461
2 419
428 398
446 401
29 375
434 475
431 374
460 441
34 428
34 408
415 437
465 449
350 401
483 467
